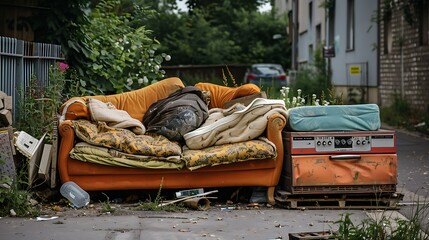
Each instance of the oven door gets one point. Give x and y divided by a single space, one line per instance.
341 173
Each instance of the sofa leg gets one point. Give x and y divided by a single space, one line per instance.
270 195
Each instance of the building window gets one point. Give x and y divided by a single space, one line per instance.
318 35
424 24
350 24
310 13
388 40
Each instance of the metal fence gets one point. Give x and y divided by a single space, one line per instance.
21 60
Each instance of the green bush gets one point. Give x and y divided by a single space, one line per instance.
38 104
123 55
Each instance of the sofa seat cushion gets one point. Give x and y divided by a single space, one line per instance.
110 157
358 117
123 140
255 149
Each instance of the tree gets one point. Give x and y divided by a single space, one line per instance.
222 32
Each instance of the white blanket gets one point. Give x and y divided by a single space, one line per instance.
107 112
235 124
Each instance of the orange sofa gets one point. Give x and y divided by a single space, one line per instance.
96 177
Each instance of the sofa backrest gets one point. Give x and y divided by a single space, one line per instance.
134 102
220 95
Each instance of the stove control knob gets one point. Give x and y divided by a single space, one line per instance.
329 143
337 142
343 141
363 142
318 143
358 142
324 143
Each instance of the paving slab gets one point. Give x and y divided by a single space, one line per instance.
212 224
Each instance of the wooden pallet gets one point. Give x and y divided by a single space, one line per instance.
338 201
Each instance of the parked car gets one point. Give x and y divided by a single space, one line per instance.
266 75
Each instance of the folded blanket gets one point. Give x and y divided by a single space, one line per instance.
235 124
101 155
107 112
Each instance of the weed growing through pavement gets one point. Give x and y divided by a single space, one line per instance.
13 200
106 207
386 228
156 205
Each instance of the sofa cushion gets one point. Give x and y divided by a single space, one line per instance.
105 156
134 102
219 95
256 149
357 117
99 134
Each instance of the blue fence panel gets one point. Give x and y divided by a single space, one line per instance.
20 61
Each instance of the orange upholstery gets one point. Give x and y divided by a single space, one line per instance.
221 94
134 102
97 177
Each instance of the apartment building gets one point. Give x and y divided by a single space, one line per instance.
347 28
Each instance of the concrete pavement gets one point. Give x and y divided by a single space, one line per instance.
212 224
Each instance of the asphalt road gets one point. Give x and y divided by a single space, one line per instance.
413 177
413 163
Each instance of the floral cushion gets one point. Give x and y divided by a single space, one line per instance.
260 148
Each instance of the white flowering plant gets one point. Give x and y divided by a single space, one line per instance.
292 101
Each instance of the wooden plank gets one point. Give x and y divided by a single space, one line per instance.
45 163
8 103
54 155
340 201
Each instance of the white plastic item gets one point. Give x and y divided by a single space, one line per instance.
75 194
190 192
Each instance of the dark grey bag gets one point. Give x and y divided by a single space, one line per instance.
181 112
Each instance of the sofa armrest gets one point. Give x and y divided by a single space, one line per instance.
275 125
67 134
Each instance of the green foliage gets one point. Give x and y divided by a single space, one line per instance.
313 78
62 24
123 55
400 114
384 227
12 196
106 207
157 205
39 104
222 32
